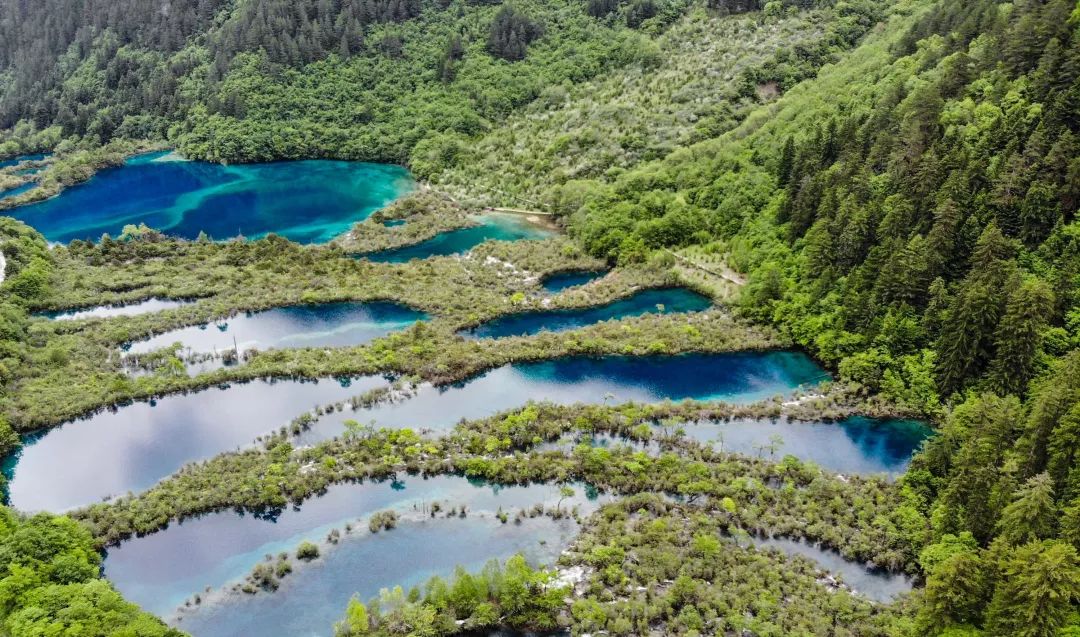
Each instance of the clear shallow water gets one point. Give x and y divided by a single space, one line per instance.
160 571
874 584
563 280
306 201
133 447
319 325
130 449
493 227
656 301
742 377
108 311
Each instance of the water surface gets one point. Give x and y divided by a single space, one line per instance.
855 445
562 280
108 311
306 201
17 190
21 158
875 584
852 446
493 227
654 301
737 377
131 448
136 445
161 570
317 325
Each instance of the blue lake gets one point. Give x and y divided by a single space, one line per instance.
493 227
130 449
109 311
318 325
654 301
17 190
306 201
21 158
562 280
162 570
134 446
740 377
856 445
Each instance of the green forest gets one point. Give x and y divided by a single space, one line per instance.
895 181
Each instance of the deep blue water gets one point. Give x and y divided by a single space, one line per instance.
21 158
108 311
17 190
306 201
132 448
854 445
160 571
319 325
493 227
871 583
655 301
562 280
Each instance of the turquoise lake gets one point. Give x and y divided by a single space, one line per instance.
17 190
136 445
493 227
655 301
564 280
21 158
309 201
162 570
317 325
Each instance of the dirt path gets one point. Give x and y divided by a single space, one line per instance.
726 273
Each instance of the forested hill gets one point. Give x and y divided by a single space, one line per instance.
910 216
358 79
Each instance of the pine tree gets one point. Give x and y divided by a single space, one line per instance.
1038 585
1019 335
1031 516
956 593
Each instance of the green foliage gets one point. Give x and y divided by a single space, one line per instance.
513 594
50 585
307 551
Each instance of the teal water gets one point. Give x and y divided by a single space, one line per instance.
108 311
21 158
134 446
493 227
18 190
307 201
318 325
563 280
161 570
873 583
655 301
